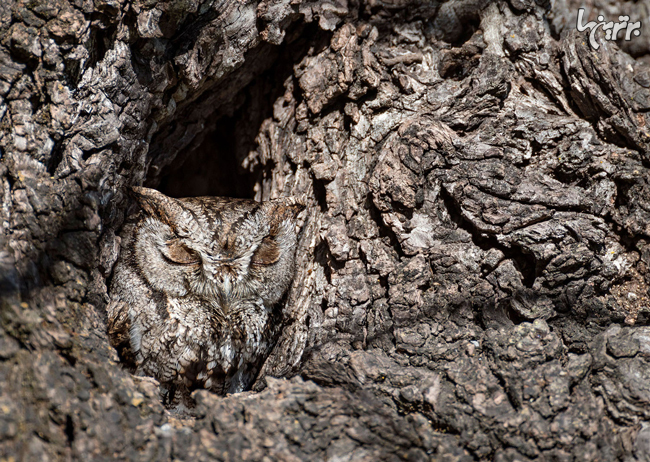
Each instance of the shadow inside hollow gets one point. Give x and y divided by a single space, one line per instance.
212 165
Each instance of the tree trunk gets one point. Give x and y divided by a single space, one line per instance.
473 276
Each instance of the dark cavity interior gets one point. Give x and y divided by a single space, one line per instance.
213 167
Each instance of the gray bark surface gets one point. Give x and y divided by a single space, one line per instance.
473 276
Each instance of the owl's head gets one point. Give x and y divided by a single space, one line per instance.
216 248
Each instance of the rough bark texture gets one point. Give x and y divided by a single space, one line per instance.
474 273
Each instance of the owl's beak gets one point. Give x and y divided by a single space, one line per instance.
221 261
226 260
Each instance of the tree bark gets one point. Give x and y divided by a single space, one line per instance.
473 275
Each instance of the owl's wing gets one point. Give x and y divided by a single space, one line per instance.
119 326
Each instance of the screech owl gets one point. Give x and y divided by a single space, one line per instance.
195 290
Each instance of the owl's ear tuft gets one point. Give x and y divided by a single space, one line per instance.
152 202
286 207
156 204
296 208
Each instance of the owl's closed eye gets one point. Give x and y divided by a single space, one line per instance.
177 252
267 253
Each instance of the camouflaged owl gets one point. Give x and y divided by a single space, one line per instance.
195 291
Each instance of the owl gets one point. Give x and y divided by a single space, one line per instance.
195 293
